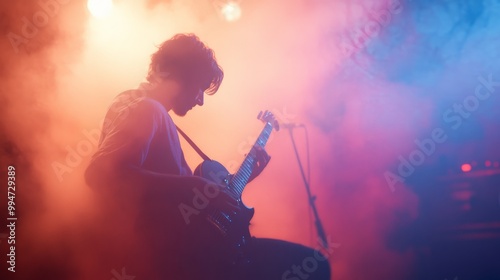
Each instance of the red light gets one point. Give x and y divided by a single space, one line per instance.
466 167
496 164
487 163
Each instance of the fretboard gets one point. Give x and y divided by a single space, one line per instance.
241 177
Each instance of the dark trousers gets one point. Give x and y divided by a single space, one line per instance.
277 259
269 259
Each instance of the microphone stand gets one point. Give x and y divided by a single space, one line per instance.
311 198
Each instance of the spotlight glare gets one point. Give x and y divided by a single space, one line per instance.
231 11
100 8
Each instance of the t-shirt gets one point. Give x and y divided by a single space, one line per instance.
138 130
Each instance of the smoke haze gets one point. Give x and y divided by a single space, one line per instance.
367 78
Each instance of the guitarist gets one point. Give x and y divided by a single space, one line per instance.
140 177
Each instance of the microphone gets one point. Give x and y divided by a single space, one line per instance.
292 125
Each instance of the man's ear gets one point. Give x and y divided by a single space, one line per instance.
158 79
160 74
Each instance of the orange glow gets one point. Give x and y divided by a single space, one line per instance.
466 167
100 8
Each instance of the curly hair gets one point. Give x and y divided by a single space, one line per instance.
186 58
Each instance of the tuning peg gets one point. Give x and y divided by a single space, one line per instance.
259 115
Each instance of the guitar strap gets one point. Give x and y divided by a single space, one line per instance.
198 150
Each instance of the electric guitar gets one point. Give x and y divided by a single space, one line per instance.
233 227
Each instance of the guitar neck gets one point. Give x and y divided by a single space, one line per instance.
241 177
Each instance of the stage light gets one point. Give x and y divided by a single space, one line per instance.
231 11
487 163
100 8
466 167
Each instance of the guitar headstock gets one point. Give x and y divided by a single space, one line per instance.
268 117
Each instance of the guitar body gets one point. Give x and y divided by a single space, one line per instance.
233 228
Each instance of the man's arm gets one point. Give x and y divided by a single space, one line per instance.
133 181
104 174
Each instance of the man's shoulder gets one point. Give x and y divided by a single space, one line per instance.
134 107
137 100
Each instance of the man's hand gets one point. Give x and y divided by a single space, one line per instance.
262 158
218 195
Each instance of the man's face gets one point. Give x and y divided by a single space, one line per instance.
189 95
